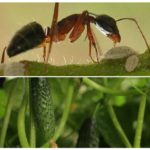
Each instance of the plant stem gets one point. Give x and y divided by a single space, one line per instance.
105 80
110 108
118 126
140 120
9 107
65 113
32 132
32 123
137 89
100 87
6 121
21 119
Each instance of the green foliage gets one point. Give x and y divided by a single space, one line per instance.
11 88
2 103
86 116
106 127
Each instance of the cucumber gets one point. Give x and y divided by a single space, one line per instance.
42 109
88 136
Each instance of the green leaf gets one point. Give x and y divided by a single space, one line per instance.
17 86
119 100
106 128
2 103
127 115
83 106
11 88
130 82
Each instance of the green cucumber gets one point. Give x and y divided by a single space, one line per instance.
42 109
88 136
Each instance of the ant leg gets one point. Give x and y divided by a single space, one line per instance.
47 32
90 54
114 44
3 55
43 45
78 30
91 42
44 53
53 29
96 53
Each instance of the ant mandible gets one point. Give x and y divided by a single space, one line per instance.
32 35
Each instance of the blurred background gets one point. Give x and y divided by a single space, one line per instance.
13 16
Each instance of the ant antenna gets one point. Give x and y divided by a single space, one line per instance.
3 55
93 14
132 19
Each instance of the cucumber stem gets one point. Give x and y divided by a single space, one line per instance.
101 88
21 119
65 115
32 132
140 120
32 123
9 107
6 121
117 125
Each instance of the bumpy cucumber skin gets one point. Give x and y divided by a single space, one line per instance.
42 107
88 136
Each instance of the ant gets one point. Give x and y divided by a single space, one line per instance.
33 35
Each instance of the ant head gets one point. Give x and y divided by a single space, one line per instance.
107 25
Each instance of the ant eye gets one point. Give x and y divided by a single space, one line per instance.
107 25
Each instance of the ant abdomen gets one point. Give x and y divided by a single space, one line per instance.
28 37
